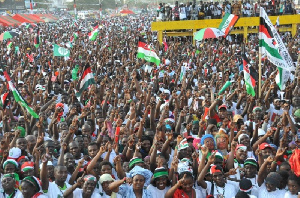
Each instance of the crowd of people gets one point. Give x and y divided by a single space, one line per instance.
144 130
215 10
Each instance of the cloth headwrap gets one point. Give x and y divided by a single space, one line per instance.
106 177
221 133
22 131
207 136
256 108
169 120
297 113
213 169
34 181
185 165
241 146
134 161
250 161
15 176
27 166
90 178
274 179
160 172
183 144
219 155
137 170
10 161
241 136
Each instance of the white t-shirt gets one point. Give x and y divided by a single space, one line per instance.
77 193
54 191
273 112
289 195
156 193
263 193
18 194
229 190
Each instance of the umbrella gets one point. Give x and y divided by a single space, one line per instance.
126 12
7 35
206 33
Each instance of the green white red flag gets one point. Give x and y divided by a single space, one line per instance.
228 22
145 52
18 97
86 79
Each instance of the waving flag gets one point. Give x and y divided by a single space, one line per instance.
60 51
271 44
30 57
93 34
250 76
4 100
145 52
86 79
228 22
9 44
18 97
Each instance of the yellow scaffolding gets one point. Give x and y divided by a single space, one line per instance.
247 24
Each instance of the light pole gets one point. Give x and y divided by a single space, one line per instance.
75 11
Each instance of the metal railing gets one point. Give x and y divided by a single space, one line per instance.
245 25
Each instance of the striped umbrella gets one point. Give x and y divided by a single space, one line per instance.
7 35
206 33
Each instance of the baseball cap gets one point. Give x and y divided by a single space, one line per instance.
264 145
223 106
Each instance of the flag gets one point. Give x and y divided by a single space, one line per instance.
228 22
86 79
271 44
282 77
4 100
60 51
93 34
74 72
165 44
74 37
37 39
9 44
30 57
145 52
18 97
250 76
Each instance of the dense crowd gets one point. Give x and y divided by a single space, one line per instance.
144 130
216 9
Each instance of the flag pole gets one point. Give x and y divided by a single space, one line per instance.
259 65
75 10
